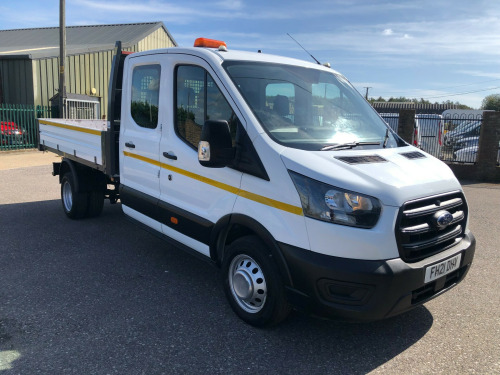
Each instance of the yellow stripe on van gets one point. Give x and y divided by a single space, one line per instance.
234 190
271 202
142 158
206 180
71 127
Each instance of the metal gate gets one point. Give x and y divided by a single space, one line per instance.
448 138
82 109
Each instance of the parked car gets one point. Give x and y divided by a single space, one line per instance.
469 154
466 155
465 142
10 134
467 129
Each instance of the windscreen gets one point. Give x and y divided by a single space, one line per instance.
310 109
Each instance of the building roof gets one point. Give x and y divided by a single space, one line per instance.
44 42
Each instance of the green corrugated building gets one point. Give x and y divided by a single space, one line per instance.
29 59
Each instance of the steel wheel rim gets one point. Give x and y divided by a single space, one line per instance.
67 196
247 283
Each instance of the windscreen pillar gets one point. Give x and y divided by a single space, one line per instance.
406 124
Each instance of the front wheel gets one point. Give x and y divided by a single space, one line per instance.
252 283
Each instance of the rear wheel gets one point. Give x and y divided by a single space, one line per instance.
252 283
74 203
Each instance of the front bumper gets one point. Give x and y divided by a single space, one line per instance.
365 290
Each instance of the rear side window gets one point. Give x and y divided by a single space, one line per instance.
199 99
145 95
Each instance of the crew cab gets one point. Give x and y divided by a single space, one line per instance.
276 171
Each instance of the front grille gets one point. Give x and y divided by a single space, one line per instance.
418 234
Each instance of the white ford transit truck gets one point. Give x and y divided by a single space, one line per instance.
276 171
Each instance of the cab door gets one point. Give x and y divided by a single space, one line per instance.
192 197
141 121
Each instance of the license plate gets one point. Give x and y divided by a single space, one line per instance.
442 268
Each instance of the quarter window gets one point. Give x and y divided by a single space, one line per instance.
145 95
198 99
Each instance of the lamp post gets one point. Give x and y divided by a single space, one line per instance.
62 58
366 95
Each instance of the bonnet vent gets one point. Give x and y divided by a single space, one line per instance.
366 159
413 155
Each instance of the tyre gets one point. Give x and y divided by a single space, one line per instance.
74 204
252 283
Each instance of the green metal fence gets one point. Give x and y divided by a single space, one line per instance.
18 125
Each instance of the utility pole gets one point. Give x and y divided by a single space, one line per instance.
366 95
62 58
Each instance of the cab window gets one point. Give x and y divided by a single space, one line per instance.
280 100
145 95
198 99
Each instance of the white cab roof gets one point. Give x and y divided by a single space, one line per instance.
217 57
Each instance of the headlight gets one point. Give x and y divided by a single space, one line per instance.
328 203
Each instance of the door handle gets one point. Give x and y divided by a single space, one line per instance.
169 156
129 144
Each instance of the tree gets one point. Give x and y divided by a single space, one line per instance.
491 102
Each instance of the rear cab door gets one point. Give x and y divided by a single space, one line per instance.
141 122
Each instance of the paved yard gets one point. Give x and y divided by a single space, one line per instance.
102 296
24 159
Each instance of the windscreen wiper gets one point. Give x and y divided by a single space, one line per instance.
386 138
349 145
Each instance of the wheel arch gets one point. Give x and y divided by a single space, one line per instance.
234 226
69 166
86 178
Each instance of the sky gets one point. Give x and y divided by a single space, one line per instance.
438 50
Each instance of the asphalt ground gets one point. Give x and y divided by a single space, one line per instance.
102 296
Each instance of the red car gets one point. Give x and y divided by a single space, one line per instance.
10 134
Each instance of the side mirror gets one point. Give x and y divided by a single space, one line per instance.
215 148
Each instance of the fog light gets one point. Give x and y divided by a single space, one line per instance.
345 293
